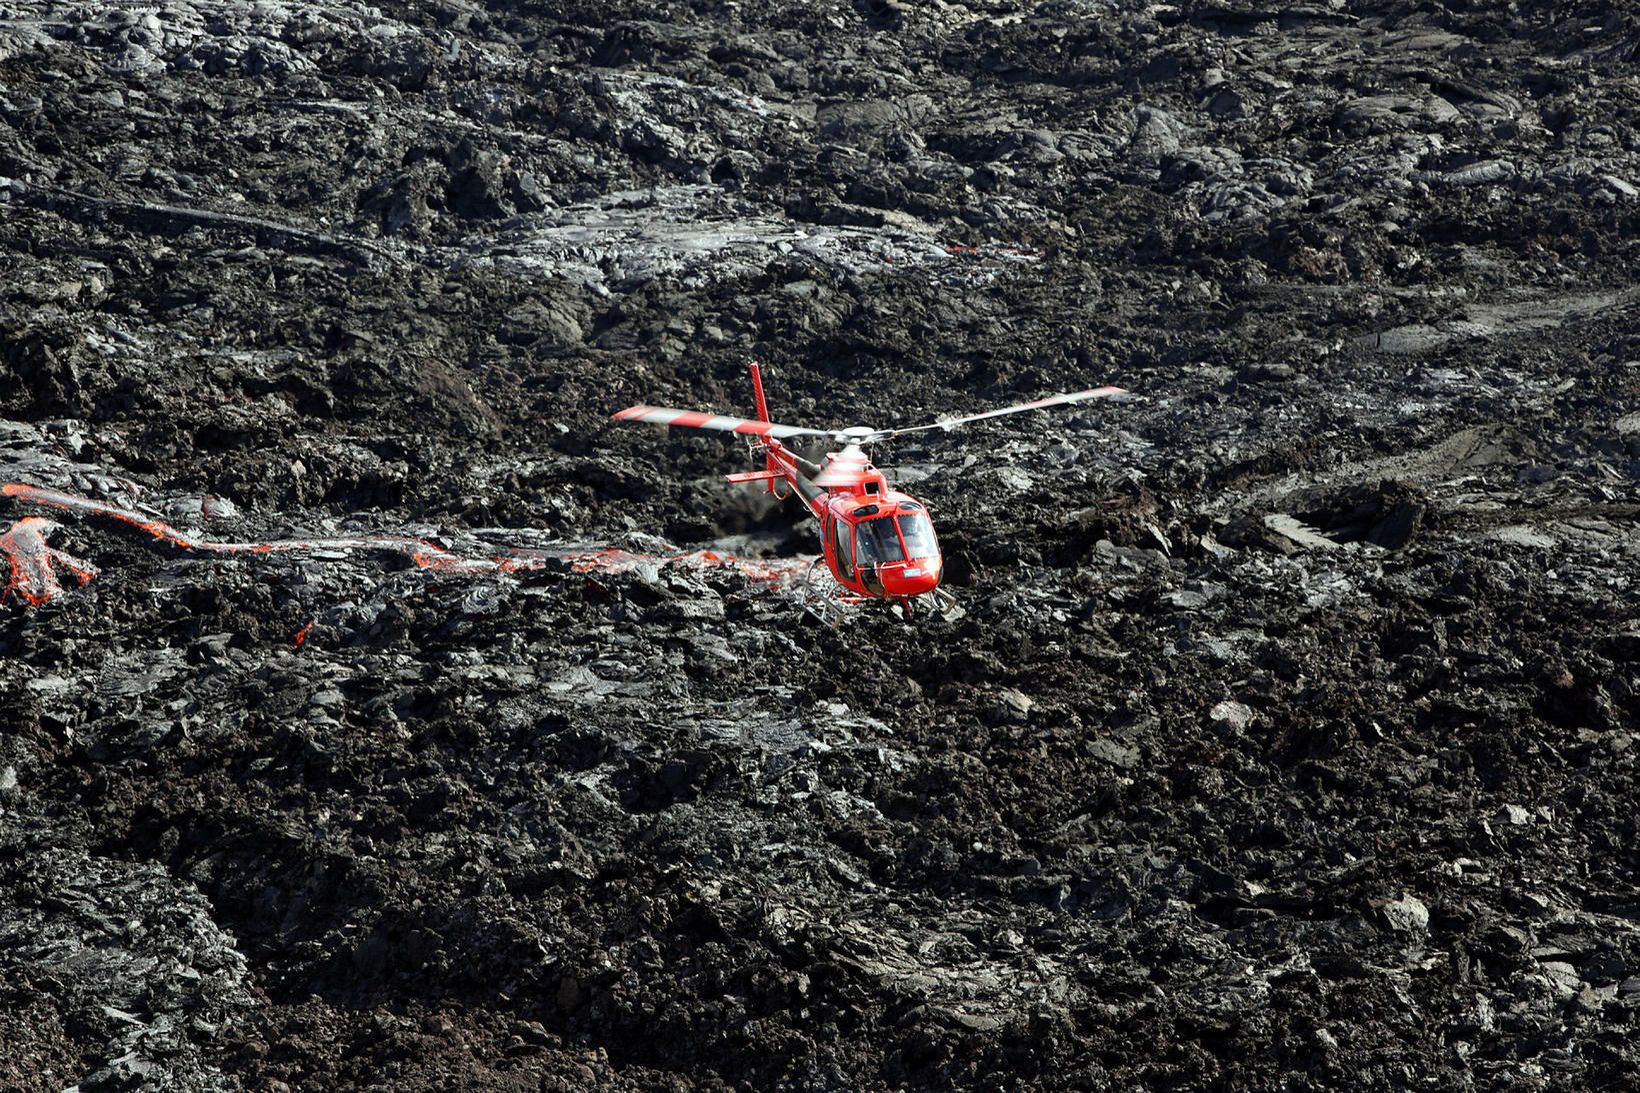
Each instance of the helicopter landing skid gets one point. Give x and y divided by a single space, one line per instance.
937 604
821 597
833 607
944 603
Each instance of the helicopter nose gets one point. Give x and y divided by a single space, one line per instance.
913 578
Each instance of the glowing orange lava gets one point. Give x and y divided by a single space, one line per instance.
34 562
33 578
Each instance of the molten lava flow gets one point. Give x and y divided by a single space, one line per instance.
420 551
34 562
33 579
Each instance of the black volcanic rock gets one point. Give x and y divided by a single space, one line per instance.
1284 737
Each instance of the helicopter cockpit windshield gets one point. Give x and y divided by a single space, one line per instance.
877 541
918 534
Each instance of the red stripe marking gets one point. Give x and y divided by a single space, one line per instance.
691 418
761 428
630 412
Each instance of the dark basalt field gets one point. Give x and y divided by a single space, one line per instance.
1287 737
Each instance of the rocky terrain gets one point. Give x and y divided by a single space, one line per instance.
1287 733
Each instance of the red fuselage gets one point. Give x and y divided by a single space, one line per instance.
878 542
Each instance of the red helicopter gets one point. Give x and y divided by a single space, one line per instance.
879 543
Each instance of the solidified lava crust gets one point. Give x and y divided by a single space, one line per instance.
1288 738
32 562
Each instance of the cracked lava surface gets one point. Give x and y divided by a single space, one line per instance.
33 562
1290 738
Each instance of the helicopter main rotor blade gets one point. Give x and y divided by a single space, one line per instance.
1034 404
694 419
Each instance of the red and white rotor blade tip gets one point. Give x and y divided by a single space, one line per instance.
694 419
1034 404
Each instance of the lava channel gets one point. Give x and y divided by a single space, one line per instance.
34 562
34 580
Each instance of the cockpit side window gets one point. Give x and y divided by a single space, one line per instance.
878 541
919 534
843 541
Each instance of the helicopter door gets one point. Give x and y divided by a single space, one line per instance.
842 548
